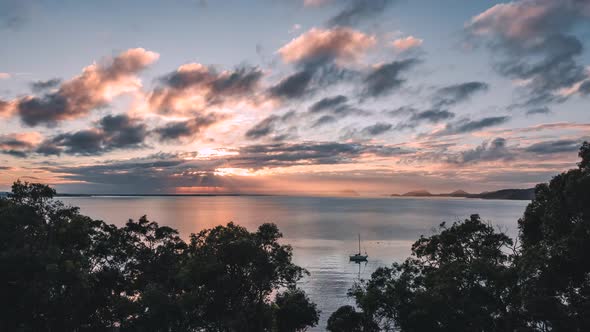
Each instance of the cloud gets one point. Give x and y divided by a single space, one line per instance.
293 86
556 146
326 45
6 108
196 87
268 125
333 109
324 120
539 110
535 42
178 130
4 76
19 144
306 153
432 116
263 128
359 10
457 93
467 125
112 132
377 129
387 77
585 88
40 86
327 103
94 88
487 151
407 43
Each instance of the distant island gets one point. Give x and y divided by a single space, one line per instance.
515 194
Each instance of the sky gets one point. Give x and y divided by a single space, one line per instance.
302 97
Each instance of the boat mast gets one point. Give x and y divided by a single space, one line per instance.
359 243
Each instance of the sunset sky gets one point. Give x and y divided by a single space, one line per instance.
318 97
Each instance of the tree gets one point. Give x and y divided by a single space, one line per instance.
459 279
346 319
231 273
47 279
555 264
62 271
294 311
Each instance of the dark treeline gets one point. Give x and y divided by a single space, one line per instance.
63 271
471 277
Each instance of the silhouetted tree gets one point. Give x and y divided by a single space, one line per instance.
62 271
555 262
347 319
48 280
294 311
231 273
471 278
457 280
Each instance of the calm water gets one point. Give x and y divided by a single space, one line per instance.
323 231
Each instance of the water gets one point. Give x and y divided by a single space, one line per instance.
323 231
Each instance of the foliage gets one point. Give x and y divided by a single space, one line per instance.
455 280
347 319
555 262
62 271
294 311
468 277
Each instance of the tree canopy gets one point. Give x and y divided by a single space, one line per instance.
63 271
471 277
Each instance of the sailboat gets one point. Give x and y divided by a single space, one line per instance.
359 257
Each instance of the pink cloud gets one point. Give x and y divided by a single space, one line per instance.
526 20
340 44
195 87
404 44
95 87
4 76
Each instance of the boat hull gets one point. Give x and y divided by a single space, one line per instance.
358 258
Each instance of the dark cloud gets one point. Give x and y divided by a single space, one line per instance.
457 93
268 126
558 146
467 125
112 133
92 89
334 109
540 110
186 129
40 86
263 128
535 44
323 120
163 172
387 77
215 88
487 151
306 153
309 79
432 116
585 88
15 145
377 129
402 111
293 86
328 103
359 10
